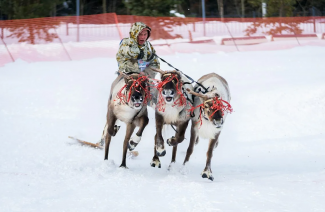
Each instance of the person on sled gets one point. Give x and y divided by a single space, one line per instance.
136 54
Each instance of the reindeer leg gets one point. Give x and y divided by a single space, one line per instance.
134 141
129 130
110 131
107 143
179 136
111 127
159 140
207 172
155 160
173 158
174 154
181 128
193 140
102 140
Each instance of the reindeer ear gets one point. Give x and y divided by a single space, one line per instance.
125 76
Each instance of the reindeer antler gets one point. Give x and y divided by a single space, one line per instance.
174 71
163 72
196 94
123 74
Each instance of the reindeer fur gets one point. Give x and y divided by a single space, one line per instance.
127 113
217 86
178 116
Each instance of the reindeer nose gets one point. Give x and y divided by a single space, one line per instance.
168 92
219 123
137 98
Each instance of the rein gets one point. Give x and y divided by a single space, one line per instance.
205 90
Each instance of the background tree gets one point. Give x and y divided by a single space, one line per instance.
159 9
23 9
303 7
104 6
281 8
192 8
17 9
151 7
221 8
26 31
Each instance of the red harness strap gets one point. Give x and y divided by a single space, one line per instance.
136 85
181 101
217 104
220 104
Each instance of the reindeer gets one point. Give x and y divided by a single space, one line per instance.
127 103
172 108
210 111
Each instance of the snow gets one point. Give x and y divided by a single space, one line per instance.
271 154
177 14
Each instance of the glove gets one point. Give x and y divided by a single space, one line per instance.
140 55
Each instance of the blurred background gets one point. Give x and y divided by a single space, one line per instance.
18 9
81 29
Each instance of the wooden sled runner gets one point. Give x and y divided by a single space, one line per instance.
96 145
131 154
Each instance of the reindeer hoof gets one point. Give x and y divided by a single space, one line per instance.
160 152
123 166
133 142
132 145
171 141
207 174
155 163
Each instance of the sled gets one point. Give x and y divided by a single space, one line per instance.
131 154
95 145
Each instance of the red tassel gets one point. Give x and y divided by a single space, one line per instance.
218 104
136 85
181 101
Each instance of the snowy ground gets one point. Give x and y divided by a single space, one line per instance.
271 155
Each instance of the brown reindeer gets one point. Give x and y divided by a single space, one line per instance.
172 108
128 103
210 111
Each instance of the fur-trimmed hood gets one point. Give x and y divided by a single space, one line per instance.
129 50
136 28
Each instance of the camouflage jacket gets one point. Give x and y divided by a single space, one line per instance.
129 50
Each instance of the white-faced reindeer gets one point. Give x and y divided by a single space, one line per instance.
128 103
173 108
210 111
